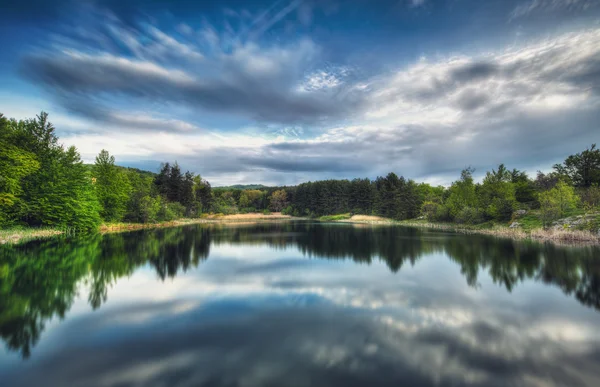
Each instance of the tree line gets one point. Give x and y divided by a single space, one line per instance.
42 183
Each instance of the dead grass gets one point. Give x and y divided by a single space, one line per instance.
539 234
14 236
212 218
250 216
566 236
369 219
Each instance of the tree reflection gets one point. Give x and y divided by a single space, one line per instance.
40 280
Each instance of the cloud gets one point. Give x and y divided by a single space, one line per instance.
527 105
260 83
545 6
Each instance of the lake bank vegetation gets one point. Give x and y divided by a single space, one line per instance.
46 186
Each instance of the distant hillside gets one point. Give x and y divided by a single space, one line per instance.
245 186
139 171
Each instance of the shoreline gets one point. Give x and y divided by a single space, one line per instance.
210 219
559 237
19 235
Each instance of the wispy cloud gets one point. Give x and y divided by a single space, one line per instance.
536 6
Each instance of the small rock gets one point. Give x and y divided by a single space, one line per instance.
515 225
520 212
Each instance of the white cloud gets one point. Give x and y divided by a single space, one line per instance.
536 6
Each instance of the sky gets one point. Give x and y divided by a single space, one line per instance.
281 92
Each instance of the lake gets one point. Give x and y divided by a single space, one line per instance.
298 304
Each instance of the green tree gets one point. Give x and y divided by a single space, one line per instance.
15 164
583 169
112 187
203 193
462 199
59 193
497 194
556 202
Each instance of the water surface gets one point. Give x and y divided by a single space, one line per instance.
298 304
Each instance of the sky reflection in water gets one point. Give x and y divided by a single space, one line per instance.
298 304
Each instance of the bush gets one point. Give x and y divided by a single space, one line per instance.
171 211
289 210
501 209
433 211
468 215
266 212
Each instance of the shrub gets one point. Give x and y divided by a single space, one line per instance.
469 215
434 211
171 211
289 210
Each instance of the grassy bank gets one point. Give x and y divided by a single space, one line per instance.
540 234
20 235
530 228
211 218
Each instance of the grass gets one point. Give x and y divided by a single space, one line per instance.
205 218
20 234
334 218
530 222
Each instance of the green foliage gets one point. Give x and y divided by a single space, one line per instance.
468 215
15 164
582 169
60 193
170 211
462 194
590 197
497 194
112 187
329 218
289 210
44 184
435 211
556 202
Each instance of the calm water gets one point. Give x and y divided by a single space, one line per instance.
298 304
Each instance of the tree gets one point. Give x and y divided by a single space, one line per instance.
60 193
143 204
203 194
525 191
112 187
187 195
555 203
583 169
15 164
462 197
175 183
278 200
497 194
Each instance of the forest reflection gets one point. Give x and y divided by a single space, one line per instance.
40 280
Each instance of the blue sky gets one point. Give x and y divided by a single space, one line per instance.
279 92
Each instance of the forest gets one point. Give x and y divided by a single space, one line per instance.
44 183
